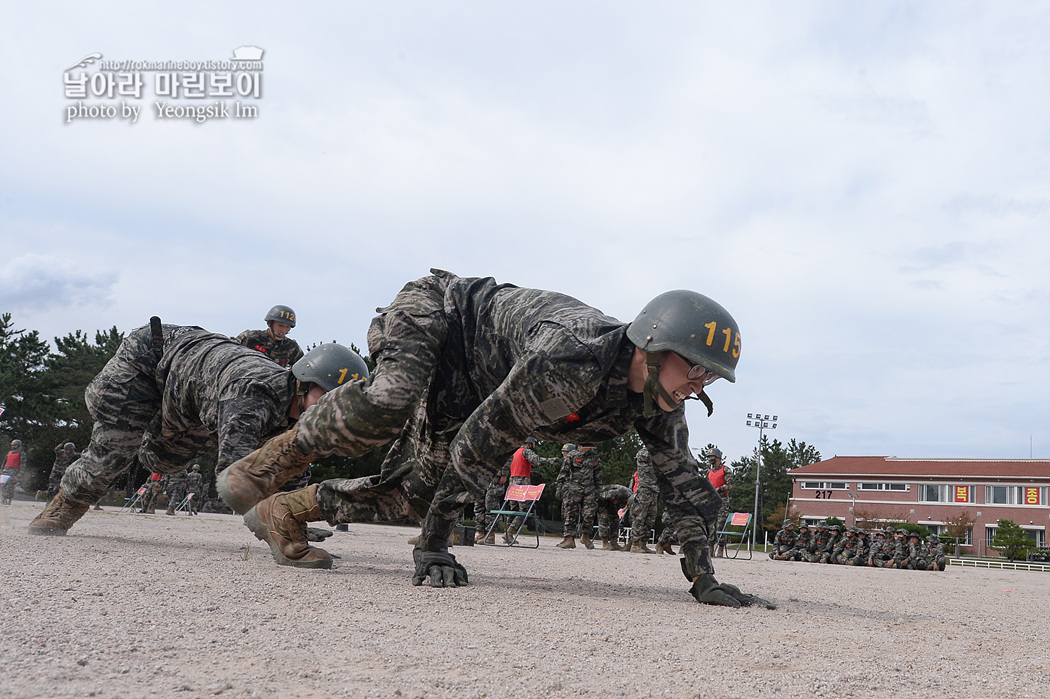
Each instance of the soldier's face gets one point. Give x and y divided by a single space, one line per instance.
674 377
312 396
279 330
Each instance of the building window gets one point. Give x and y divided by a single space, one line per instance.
946 493
1036 535
824 485
1012 495
904 487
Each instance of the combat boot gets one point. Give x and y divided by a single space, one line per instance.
607 545
280 520
640 547
260 474
568 542
171 509
720 551
664 547
585 539
616 546
479 537
59 515
491 539
97 506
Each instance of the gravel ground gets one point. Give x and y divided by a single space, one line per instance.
133 605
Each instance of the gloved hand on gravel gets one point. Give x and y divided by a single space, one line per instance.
316 534
707 590
440 567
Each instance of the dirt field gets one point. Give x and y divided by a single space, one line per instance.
140 606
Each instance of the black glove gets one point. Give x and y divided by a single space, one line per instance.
316 535
440 567
706 590
709 591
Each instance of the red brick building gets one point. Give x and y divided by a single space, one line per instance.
927 492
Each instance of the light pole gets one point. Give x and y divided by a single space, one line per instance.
853 509
762 422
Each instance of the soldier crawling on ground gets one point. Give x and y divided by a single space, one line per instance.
465 370
171 390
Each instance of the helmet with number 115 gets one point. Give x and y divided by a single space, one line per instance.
330 366
692 326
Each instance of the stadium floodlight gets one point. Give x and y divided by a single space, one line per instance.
762 423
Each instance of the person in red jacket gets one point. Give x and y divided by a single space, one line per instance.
521 474
12 469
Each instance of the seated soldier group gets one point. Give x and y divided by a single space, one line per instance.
884 548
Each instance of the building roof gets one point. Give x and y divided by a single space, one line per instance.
881 466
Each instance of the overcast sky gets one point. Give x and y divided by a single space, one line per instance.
865 186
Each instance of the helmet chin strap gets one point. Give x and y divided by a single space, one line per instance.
653 389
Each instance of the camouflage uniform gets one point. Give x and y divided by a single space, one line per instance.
153 488
935 552
827 551
917 555
195 485
611 499
579 481
8 491
668 533
494 496
814 548
900 549
487 365
285 352
863 547
175 486
847 549
804 545
643 509
63 459
784 543
164 411
881 552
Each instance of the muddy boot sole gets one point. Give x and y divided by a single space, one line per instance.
262 533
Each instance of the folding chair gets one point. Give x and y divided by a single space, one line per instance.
737 519
130 503
184 505
518 493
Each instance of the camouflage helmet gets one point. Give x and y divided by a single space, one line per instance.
691 325
932 538
16 443
835 528
280 314
531 440
568 446
788 523
822 525
330 365
888 530
802 526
